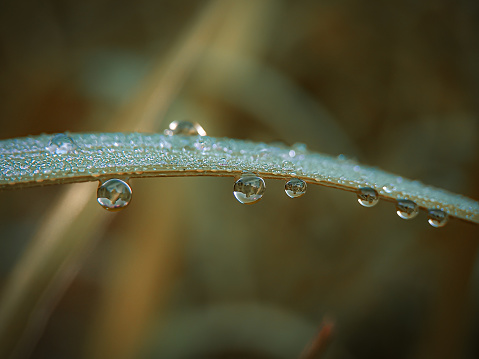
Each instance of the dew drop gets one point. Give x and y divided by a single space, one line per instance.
367 196
249 189
388 189
300 149
437 218
61 144
406 209
185 128
114 194
287 166
295 188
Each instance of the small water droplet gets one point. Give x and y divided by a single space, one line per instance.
437 218
114 194
300 148
389 189
367 196
287 166
185 128
249 189
406 209
61 144
295 187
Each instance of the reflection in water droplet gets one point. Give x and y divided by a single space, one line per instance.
406 209
295 188
185 128
249 189
61 144
367 196
114 194
437 218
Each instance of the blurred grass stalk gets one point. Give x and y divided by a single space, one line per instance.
65 238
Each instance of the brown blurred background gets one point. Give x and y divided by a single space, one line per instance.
186 271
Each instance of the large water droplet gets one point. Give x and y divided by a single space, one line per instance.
295 188
114 194
61 144
406 209
437 218
367 196
185 128
249 189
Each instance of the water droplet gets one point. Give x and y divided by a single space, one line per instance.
437 218
185 128
249 189
61 144
300 148
367 196
114 194
287 166
389 189
295 188
406 209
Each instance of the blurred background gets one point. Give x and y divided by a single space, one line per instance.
186 271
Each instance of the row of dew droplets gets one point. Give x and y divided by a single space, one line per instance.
405 208
115 194
250 188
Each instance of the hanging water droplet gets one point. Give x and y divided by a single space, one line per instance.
406 209
437 218
114 194
61 144
367 196
295 188
185 128
249 189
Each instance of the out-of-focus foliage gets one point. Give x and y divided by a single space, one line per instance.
186 271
